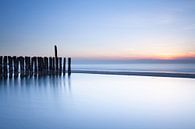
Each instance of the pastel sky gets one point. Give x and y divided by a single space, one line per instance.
131 29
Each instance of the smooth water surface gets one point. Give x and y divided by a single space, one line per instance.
138 67
86 101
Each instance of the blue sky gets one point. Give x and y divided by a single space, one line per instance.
98 28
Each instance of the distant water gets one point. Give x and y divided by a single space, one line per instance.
138 67
86 101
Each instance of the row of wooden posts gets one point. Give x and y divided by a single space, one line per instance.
33 66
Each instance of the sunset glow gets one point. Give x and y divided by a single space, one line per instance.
107 29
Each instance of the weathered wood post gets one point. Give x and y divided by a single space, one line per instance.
22 67
34 65
56 59
5 66
46 64
60 65
64 66
53 65
39 65
69 66
27 65
56 51
50 65
21 62
42 66
31 66
15 66
10 66
1 60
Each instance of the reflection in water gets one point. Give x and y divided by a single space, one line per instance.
85 101
69 83
46 82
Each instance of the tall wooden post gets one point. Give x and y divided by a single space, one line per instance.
69 66
1 60
56 59
56 51
5 66
64 66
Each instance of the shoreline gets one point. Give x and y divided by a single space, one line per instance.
153 74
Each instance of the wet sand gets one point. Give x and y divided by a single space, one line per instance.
155 74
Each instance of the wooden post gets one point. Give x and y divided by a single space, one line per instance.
1 60
39 65
27 65
56 63
10 66
36 67
5 66
53 64
46 64
60 65
21 62
56 59
15 66
56 51
31 66
69 66
22 66
34 62
42 65
50 65
64 66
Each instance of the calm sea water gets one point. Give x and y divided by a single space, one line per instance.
138 67
86 101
